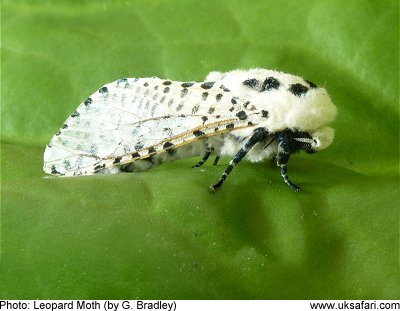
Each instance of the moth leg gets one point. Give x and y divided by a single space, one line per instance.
216 160
205 157
258 135
203 160
285 148
286 179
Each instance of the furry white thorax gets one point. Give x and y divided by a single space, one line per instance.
308 112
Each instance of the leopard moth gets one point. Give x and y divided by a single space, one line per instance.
134 124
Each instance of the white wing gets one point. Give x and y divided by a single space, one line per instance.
131 119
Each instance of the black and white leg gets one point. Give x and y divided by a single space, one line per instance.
285 148
258 135
286 179
209 150
204 159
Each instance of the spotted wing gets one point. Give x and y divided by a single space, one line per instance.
132 119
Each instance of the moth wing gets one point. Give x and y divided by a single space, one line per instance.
129 119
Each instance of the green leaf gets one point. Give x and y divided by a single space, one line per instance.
160 234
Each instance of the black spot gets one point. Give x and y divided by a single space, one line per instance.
65 126
187 84
58 133
117 160
207 85
75 114
103 90
231 109
204 96
250 123
211 110
216 129
225 89
311 84
241 115
218 97
198 133
180 106
184 92
246 104
99 167
93 149
138 146
166 89
67 164
167 82
122 80
270 83
182 116
146 84
234 100
264 113
298 89
204 118
195 108
168 145
135 155
88 101
152 150
155 88
230 126
162 99
251 83
54 171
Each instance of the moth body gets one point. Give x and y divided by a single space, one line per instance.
134 124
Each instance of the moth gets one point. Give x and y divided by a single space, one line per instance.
134 124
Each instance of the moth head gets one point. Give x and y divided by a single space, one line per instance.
312 142
321 138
